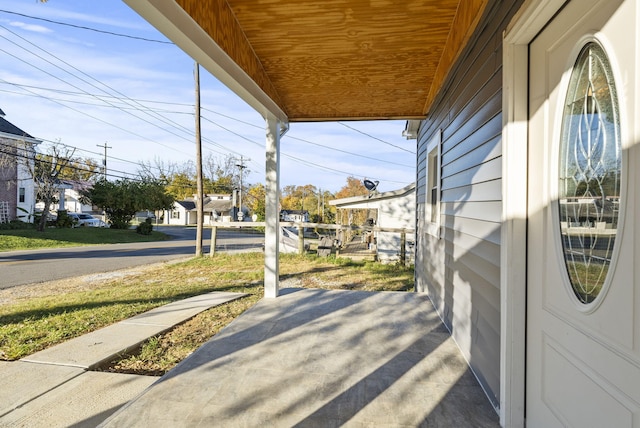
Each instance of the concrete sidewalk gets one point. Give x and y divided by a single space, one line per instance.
53 387
320 358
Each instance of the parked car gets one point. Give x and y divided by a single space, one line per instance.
51 217
86 220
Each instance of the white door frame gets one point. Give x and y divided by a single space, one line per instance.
530 19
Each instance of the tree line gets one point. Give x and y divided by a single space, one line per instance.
159 183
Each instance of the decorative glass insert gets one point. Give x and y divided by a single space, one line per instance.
589 174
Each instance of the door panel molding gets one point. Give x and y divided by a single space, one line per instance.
582 358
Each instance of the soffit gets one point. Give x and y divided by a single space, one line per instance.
323 60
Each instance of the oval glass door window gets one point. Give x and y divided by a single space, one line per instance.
589 173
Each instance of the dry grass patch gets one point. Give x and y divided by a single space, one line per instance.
161 353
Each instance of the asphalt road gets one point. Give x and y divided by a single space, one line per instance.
32 266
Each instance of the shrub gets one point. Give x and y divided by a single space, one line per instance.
16 225
64 220
145 228
118 221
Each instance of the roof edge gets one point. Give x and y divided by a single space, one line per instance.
176 24
377 197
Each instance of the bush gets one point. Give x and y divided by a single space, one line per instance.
145 228
16 225
64 221
119 221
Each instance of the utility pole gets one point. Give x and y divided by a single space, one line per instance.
199 186
104 161
241 166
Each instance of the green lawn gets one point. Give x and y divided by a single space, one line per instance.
28 239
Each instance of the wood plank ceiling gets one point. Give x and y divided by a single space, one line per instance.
327 60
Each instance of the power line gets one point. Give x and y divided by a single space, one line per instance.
349 153
324 145
81 27
100 97
124 97
104 121
30 156
79 164
176 125
326 168
312 164
375 138
93 153
81 79
148 111
93 104
208 120
86 94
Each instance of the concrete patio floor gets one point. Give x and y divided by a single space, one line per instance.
321 358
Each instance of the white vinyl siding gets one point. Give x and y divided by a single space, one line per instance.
461 270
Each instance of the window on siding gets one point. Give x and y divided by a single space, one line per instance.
175 214
432 200
21 194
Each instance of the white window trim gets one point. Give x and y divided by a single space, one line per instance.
431 218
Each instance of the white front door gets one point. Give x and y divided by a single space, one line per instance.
583 273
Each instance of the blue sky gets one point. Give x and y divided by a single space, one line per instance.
85 89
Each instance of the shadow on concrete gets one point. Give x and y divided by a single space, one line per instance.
321 358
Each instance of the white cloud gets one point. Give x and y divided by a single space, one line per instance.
30 27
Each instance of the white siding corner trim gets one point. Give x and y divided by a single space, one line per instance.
530 19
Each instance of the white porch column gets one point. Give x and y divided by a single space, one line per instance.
272 216
61 201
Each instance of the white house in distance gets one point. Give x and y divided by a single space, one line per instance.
217 207
519 105
183 213
394 209
301 216
69 198
17 190
72 196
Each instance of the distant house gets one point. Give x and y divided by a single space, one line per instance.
17 189
69 197
182 213
394 209
295 215
72 197
216 208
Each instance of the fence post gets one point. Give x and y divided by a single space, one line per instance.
214 235
403 247
300 239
